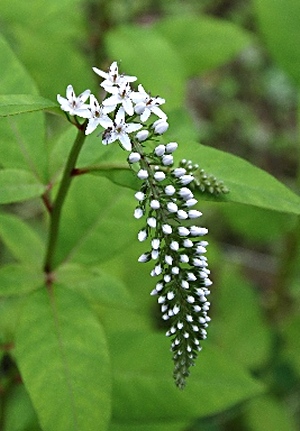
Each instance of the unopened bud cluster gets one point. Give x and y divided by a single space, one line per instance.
203 181
177 250
165 200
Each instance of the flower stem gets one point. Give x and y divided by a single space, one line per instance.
55 214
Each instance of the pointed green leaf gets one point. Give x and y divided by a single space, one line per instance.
14 77
249 342
18 185
19 279
19 414
162 73
14 104
279 24
203 43
104 224
247 184
144 390
21 240
173 426
268 413
63 358
48 36
94 284
22 143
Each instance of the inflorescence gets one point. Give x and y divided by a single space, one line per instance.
165 200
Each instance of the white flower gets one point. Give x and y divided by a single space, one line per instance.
120 94
118 130
113 78
97 116
145 104
75 105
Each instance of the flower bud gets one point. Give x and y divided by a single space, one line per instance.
160 126
171 147
139 108
138 213
134 157
159 176
178 172
142 174
167 160
140 196
160 150
142 135
170 190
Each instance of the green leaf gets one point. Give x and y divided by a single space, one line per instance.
19 414
279 24
21 240
291 347
94 284
104 224
48 36
63 358
203 43
19 279
247 184
22 143
159 68
119 174
267 413
144 390
250 341
18 185
173 426
14 77
15 104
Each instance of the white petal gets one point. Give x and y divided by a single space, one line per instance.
125 141
100 72
120 116
92 125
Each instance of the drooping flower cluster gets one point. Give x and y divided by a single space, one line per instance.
165 199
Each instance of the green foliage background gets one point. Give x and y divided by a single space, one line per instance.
92 355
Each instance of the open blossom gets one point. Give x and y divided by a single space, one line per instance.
120 94
97 116
119 130
75 105
113 78
145 104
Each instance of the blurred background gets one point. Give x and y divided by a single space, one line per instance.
229 71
